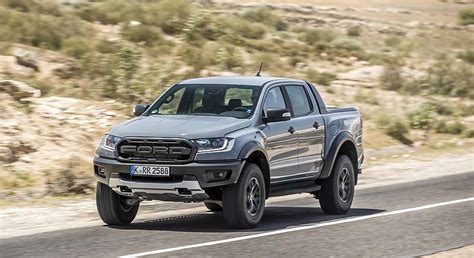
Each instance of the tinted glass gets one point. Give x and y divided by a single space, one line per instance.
299 100
274 99
208 100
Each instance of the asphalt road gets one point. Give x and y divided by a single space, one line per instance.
400 220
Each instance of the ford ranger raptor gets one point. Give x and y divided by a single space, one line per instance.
230 142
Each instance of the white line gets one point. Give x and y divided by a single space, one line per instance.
287 230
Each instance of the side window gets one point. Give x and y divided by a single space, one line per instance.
274 99
171 104
299 100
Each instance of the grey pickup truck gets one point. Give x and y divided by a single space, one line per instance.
230 142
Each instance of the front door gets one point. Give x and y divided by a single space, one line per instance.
282 140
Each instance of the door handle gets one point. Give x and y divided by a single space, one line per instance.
316 125
291 130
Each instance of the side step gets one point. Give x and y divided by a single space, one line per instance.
287 189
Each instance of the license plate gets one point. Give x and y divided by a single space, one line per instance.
149 170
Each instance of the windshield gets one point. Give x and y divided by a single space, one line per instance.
208 100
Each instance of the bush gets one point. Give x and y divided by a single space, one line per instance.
347 44
265 16
76 47
391 78
314 36
467 56
394 125
445 78
424 117
466 16
320 78
366 97
40 30
354 31
142 33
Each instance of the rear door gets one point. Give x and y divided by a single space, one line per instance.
282 141
309 127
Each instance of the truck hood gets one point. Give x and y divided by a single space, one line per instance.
179 126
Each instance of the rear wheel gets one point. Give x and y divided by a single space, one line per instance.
337 191
244 202
213 206
113 208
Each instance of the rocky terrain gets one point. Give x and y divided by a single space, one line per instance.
407 66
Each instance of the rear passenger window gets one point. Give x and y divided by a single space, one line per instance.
299 100
274 99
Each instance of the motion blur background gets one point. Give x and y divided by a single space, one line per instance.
70 69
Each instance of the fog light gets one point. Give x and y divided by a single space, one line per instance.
218 175
100 171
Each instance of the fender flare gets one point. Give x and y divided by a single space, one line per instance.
331 156
249 148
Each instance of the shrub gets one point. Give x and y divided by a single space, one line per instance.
142 33
347 44
315 36
467 56
391 78
229 58
394 125
76 47
353 31
424 117
265 16
466 16
366 97
446 78
320 78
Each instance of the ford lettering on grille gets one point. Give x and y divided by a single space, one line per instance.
156 150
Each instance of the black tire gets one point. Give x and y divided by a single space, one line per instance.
213 206
240 206
112 207
337 191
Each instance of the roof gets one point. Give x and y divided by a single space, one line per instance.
235 80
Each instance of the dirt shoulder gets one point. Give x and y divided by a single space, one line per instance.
53 215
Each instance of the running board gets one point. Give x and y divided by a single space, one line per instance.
288 191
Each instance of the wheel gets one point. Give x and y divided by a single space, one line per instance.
337 191
244 202
213 206
112 207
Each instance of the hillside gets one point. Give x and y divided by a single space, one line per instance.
409 68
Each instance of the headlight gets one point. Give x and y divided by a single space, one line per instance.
213 144
107 146
109 142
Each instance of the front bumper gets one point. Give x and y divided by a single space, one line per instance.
187 182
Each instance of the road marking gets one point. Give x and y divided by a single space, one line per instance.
294 229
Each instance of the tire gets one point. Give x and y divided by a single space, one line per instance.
337 191
112 207
244 202
213 206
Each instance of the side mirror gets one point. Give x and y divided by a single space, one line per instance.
277 115
139 109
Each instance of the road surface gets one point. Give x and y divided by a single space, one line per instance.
408 219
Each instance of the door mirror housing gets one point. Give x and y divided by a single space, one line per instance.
277 115
140 109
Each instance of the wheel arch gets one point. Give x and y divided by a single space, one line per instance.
343 144
254 153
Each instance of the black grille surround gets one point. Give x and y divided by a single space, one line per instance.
156 150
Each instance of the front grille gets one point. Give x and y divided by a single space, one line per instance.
150 179
156 150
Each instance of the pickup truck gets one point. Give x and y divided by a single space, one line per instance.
230 142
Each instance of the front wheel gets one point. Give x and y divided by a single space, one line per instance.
244 202
113 208
337 191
